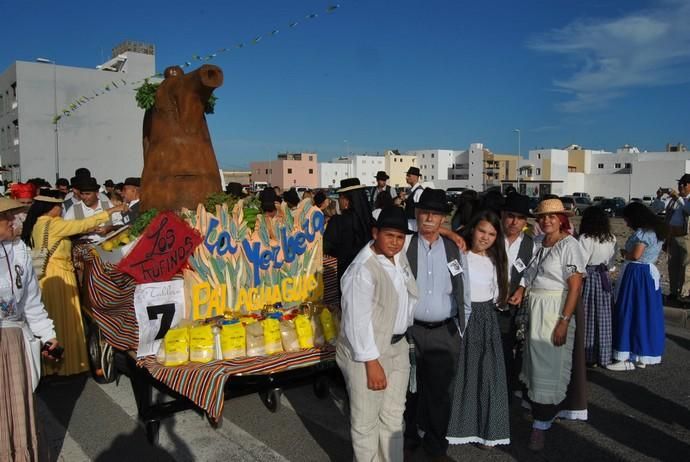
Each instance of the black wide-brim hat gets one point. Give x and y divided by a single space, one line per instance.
132 181
381 175
87 184
413 171
434 200
350 184
393 217
517 203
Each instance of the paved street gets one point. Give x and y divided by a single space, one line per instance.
640 415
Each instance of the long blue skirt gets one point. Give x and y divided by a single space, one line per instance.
638 320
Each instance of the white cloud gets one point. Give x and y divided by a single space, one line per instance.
613 56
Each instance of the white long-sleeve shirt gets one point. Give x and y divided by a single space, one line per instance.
357 302
18 284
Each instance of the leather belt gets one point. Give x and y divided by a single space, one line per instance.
396 338
432 325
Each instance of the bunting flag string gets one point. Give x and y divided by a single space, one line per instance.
72 107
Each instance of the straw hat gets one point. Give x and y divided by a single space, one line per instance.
53 200
551 206
9 204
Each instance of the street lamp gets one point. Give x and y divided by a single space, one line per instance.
55 121
517 130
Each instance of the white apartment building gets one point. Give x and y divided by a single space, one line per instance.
359 166
104 134
445 168
626 173
330 173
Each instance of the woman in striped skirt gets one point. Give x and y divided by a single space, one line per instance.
480 411
599 245
22 317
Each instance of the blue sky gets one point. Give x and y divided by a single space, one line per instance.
406 74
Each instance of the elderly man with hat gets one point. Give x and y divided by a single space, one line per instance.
413 177
381 186
130 193
379 296
349 231
90 205
520 248
678 209
440 316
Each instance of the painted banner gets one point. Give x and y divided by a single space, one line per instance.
162 250
238 270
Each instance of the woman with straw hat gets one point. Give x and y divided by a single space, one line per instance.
45 227
22 317
551 365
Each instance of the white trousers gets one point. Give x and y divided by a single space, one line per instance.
376 417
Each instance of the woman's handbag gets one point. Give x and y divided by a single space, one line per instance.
40 256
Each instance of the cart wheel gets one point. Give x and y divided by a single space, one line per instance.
101 360
271 399
322 386
152 431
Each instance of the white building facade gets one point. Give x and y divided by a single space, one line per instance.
103 134
445 168
331 173
627 173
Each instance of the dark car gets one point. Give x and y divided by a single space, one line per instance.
613 207
581 203
568 202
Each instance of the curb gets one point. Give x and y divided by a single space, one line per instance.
678 317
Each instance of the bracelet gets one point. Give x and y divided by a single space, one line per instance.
565 318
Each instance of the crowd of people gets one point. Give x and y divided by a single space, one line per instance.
442 327
40 309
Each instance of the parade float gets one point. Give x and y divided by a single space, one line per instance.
205 296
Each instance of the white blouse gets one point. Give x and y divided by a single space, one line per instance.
483 279
552 266
598 252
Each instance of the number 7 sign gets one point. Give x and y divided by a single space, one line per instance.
158 307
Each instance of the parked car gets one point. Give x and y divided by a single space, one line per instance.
597 199
636 199
568 202
647 200
581 203
581 194
613 207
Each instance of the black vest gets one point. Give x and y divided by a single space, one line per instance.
525 254
374 195
409 203
452 253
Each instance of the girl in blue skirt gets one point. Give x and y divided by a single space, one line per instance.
638 320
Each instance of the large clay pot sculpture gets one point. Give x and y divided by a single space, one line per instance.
180 167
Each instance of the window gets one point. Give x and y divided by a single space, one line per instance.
311 158
538 156
600 166
538 171
422 156
617 165
266 171
432 155
311 171
628 165
289 171
432 176
432 166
